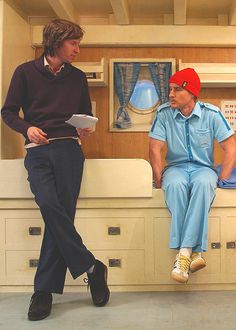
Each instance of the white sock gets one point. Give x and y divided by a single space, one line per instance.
90 270
186 252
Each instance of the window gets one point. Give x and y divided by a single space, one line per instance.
144 98
137 88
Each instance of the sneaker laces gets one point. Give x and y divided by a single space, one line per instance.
196 255
182 262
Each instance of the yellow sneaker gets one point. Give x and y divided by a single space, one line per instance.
181 268
197 262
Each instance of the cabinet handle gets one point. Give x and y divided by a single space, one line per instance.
33 263
114 262
34 231
215 245
113 230
230 245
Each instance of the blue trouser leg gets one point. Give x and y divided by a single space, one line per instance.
51 271
189 191
55 173
176 187
202 186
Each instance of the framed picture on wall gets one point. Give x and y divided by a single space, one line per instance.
137 87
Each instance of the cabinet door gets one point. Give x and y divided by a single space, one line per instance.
164 257
118 238
21 267
2 252
228 228
212 272
24 232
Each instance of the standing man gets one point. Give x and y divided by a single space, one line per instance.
188 127
50 90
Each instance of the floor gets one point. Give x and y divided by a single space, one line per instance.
126 311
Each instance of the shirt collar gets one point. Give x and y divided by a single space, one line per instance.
196 112
47 65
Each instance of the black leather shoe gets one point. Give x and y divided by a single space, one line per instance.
97 282
40 306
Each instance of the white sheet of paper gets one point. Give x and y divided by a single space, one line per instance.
82 121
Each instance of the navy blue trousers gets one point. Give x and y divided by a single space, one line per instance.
55 173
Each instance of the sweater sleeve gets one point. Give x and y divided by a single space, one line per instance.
85 106
15 100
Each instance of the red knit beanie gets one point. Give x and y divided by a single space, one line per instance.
188 79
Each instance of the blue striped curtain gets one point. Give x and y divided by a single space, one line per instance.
161 73
125 79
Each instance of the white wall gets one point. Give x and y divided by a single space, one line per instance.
15 49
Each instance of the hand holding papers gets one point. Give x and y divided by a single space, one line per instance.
82 121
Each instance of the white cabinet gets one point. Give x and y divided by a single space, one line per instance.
213 74
130 238
96 72
117 237
117 232
123 222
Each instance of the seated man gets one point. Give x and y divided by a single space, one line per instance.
188 127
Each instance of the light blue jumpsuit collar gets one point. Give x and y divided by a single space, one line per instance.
196 111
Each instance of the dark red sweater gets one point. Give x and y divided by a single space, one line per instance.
47 101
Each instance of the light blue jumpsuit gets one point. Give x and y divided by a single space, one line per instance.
189 179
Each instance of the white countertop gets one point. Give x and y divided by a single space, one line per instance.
102 178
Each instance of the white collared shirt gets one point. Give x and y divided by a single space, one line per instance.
47 65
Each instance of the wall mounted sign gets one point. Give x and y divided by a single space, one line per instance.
228 108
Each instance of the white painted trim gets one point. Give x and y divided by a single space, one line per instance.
121 11
232 15
152 36
64 9
180 8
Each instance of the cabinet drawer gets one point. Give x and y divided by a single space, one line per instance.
112 232
21 267
101 233
124 267
23 233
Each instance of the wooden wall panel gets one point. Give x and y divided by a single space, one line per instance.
105 144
